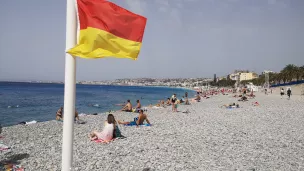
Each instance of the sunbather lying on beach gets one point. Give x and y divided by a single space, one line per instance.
243 98
108 131
231 105
140 121
127 107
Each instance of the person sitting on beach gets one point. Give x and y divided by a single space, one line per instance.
198 97
108 131
182 100
137 121
127 107
138 106
59 114
76 116
160 104
168 102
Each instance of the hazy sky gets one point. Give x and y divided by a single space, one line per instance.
183 38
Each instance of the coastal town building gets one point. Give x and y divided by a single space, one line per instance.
248 76
241 75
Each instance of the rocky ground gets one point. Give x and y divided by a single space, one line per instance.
265 137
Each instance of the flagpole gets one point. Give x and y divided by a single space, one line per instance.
69 88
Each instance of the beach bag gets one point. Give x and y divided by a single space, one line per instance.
117 132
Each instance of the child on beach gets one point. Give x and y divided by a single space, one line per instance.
108 131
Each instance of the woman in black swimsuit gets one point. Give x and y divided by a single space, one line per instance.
173 101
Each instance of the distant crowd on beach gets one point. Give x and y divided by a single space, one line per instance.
112 131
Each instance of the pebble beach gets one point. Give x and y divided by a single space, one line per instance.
265 137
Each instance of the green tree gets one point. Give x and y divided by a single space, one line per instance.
301 70
289 72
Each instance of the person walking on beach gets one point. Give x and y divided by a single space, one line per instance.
289 93
174 103
137 121
282 93
127 107
266 92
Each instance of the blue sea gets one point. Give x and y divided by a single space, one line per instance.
34 101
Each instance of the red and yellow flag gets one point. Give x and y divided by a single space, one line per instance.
108 30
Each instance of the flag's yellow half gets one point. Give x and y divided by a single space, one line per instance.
96 43
108 30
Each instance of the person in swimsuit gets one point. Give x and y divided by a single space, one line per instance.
168 102
138 106
174 103
138 121
59 114
127 107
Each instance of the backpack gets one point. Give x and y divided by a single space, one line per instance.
117 132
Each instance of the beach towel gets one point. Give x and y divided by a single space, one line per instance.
100 141
28 123
134 124
4 148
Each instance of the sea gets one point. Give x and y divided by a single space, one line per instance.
24 102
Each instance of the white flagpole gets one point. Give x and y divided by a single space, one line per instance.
69 88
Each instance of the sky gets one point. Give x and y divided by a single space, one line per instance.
183 39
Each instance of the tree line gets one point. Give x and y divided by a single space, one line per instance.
289 73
